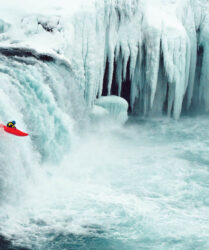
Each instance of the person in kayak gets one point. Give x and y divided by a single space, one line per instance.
11 124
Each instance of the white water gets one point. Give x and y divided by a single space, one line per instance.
76 184
144 185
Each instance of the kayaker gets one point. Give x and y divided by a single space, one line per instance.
11 124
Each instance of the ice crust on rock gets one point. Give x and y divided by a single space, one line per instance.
116 107
158 49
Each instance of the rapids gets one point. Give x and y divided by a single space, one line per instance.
82 180
141 186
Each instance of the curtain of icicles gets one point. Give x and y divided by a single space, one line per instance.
152 53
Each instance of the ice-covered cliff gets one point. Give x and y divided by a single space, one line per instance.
154 53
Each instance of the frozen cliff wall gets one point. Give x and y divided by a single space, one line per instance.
154 53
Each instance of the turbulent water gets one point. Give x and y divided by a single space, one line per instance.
141 186
80 180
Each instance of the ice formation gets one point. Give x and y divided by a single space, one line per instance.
116 107
98 113
154 53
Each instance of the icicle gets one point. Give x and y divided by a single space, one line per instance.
133 63
134 93
119 72
180 80
193 61
126 54
161 92
168 57
133 57
152 63
110 69
170 98
111 39
192 54
204 82
102 71
176 56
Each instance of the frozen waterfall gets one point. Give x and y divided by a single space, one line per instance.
152 53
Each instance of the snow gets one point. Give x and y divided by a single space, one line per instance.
135 38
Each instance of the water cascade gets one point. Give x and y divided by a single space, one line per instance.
89 176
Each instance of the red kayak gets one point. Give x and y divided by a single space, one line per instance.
13 131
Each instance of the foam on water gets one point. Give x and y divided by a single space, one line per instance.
144 185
